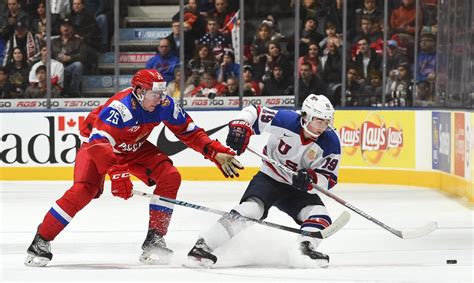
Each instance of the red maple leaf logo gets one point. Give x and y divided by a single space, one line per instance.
71 123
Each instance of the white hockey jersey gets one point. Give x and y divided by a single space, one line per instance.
288 146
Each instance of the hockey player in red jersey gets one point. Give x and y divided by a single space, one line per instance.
304 142
116 144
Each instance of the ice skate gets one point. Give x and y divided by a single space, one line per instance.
321 259
155 250
201 255
39 252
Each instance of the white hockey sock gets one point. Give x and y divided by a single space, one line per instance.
314 218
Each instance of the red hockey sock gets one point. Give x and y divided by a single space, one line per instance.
168 180
65 208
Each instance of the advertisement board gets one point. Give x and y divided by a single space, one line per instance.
441 141
459 145
377 138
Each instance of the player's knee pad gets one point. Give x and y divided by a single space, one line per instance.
167 179
77 197
252 207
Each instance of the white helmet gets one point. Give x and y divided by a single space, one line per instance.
316 106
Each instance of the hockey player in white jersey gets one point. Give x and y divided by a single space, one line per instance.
303 141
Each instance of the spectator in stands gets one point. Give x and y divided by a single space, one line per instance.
430 16
38 89
354 87
403 19
228 67
399 88
56 72
2 50
71 52
334 14
373 90
330 29
310 9
6 88
25 40
251 87
59 10
172 89
223 16
209 86
262 37
99 9
215 39
164 61
18 70
309 83
278 83
232 86
10 17
274 56
203 60
37 23
173 38
307 34
370 10
367 29
194 22
332 64
366 59
395 56
86 27
426 60
312 57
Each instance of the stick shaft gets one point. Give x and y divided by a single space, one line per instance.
316 234
422 231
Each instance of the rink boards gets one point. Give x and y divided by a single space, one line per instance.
421 148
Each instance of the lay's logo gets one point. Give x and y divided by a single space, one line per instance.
374 138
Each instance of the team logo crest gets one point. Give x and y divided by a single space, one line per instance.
165 102
311 154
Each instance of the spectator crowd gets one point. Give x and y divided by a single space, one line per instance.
212 67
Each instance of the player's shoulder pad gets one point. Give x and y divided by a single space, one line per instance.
170 110
329 142
116 113
287 119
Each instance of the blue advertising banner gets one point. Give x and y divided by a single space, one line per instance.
441 141
143 33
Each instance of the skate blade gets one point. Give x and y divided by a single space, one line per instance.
155 258
36 261
192 262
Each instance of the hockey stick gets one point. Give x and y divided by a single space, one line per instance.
416 233
333 228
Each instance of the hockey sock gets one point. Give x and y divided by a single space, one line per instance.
65 208
160 215
316 218
168 180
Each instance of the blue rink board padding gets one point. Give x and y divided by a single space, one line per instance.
101 82
143 33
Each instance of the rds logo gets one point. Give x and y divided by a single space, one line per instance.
374 137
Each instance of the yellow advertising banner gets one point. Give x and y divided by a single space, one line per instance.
384 139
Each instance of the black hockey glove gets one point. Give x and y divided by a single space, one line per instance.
239 135
302 181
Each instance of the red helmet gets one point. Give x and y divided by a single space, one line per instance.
148 79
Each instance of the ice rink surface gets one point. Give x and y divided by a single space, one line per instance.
103 242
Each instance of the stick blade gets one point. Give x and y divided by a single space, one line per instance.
419 232
337 225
